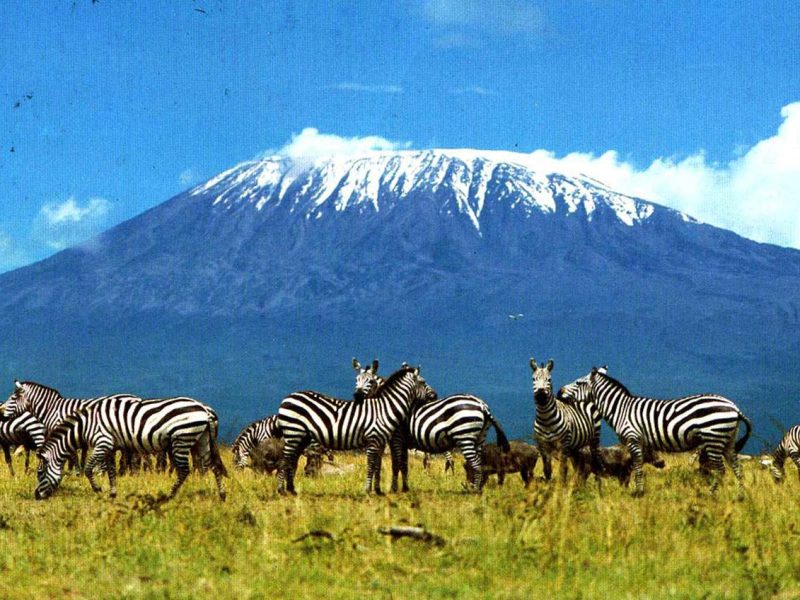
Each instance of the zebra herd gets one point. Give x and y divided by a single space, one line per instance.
401 411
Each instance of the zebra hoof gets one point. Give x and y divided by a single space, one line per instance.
637 493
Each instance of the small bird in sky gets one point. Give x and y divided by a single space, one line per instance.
516 316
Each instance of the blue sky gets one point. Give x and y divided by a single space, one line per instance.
111 107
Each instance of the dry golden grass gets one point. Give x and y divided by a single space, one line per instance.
549 541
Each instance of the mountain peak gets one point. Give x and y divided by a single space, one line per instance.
459 181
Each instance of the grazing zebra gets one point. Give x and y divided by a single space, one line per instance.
704 421
23 430
788 446
306 417
562 429
250 437
367 384
176 425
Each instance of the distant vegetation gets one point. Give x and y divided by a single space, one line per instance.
549 541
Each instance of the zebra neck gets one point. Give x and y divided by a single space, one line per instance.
548 410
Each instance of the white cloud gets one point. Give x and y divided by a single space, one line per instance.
186 177
474 90
310 143
63 224
756 194
349 86
463 22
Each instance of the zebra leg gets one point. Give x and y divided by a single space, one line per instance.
795 456
449 463
99 457
716 466
547 465
637 456
472 456
563 466
179 453
397 448
207 455
374 456
111 470
292 449
27 460
7 454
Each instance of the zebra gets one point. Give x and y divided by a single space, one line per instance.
367 384
706 421
23 430
337 424
250 437
559 428
48 406
788 446
176 425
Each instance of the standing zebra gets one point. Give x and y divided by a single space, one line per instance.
788 446
23 430
704 421
176 425
457 421
559 428
250 437
306 417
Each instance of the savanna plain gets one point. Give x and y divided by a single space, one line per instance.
551 540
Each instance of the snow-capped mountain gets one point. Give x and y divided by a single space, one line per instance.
272 275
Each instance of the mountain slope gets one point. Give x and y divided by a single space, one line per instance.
408 255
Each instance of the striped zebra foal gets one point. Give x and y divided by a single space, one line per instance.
306 417
177 425
705 421
438 427
562 429
23 430
250 437
788 446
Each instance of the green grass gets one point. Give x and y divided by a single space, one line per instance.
550 541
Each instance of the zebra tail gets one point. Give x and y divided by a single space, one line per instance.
502 440
216 459
740 444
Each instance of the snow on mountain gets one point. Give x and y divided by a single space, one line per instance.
461 180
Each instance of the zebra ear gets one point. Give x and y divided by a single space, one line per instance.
356 365
534 366
549 365
375 366
17 384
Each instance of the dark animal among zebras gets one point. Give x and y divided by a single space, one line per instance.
617 462
22 430
706 421
521 458
250 437
562 429
789 446
306 417
176 425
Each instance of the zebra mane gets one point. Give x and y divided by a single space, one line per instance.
615 382
44 387
399 374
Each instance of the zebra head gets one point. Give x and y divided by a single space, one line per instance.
48 476
367 380
18 402
581 390
542 381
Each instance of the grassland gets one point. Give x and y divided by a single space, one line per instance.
549 541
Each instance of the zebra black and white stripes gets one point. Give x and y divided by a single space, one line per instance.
438 427
22 430
789 446
559 428
250 437
306 417
706 421
176 425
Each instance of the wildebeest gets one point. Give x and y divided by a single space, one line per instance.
521 458
617 462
